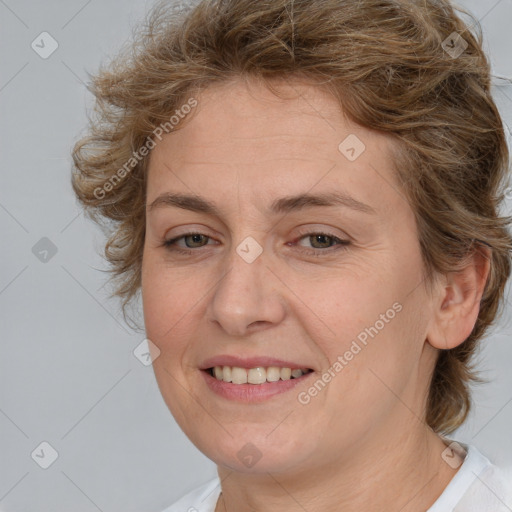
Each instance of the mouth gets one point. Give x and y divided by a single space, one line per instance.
257 375
252 379
255 384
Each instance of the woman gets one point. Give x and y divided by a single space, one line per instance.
306 193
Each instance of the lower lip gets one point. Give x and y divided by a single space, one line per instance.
251 392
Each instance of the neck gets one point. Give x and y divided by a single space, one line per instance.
406 473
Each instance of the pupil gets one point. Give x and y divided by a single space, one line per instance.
195 238
320 237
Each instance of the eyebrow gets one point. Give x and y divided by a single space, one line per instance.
286 204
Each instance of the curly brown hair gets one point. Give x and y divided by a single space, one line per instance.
390 63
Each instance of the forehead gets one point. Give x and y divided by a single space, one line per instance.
242 133
247 113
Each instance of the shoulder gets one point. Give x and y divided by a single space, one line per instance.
478 486
200 499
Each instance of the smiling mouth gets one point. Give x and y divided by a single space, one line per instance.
258 375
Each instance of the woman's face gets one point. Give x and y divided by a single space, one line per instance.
269 281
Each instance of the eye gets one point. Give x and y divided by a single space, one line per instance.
323 243
189 238
326 243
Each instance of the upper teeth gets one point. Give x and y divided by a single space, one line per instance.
258 375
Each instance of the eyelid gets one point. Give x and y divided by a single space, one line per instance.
341 244
170 241
308 229
192 230
317 229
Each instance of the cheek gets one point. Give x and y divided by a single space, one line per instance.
367 328
337 309
165 299
385 371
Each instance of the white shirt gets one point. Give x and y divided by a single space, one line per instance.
478 486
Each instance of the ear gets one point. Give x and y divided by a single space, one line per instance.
457 304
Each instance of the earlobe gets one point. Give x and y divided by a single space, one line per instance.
457 303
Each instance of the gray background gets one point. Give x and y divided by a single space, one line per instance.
68 374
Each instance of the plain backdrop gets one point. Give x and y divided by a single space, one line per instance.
68 374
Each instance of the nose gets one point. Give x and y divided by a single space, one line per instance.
247 297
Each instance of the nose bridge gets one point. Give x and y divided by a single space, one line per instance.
244 295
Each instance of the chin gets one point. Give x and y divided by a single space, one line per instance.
252 451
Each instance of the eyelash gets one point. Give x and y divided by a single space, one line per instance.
342 244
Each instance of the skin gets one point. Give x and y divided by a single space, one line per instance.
361 443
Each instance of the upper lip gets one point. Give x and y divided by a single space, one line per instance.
249 362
